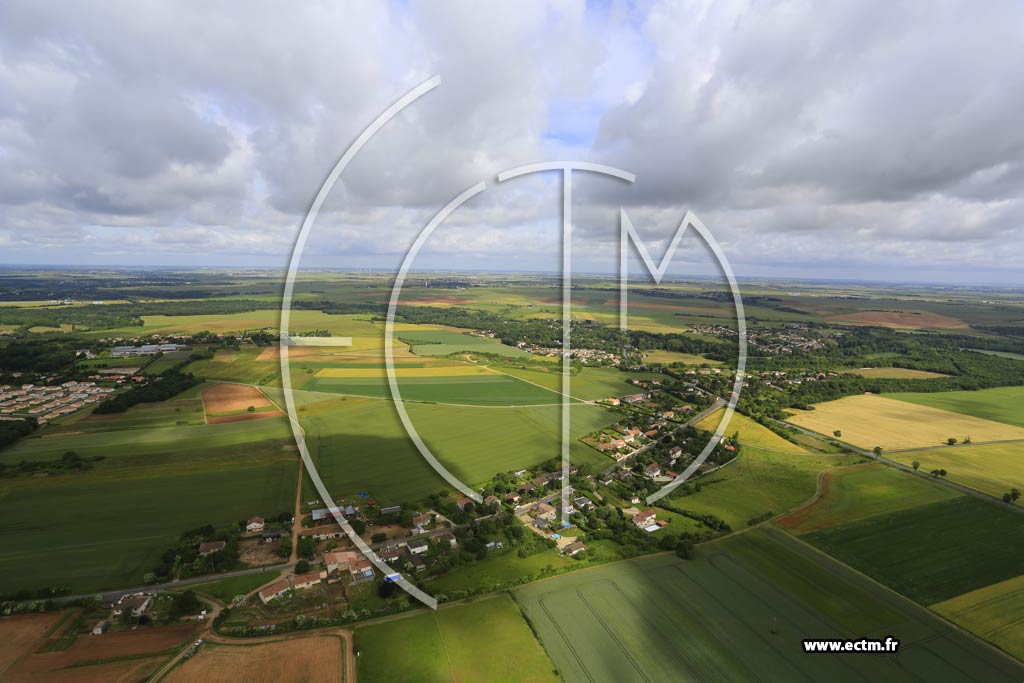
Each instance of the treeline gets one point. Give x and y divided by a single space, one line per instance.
36 356
167 385
69 462
12 430
106 316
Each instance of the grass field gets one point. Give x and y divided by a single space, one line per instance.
486 640
861 491
177 412
668 357
738 613
434 342
106 527
996 613
360 444
868 420
933 552
590 384
993 468
1002 404
757 483
895 373
226 589
750 432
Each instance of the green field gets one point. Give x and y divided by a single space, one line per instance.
1001 404
185 409
738 613
106 527
226 589
934 552
862 491
757 483
445 342
454 643
996 613
590 384
360 444
994 468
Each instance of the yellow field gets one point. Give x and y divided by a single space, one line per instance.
995 612
868 420
453 371
666 357
751 433
992 468
894 373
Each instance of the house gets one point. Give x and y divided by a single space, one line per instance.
540 523
361 570
583 503
271 536
338 559
650 434
492 500
422 520
463 503
545 511
308 580
418 547
513 498
447 537
211 547
653 470
134 604
646 519
612 401
274 591
389 553
573 548
415 561
675 452
255 524
100 627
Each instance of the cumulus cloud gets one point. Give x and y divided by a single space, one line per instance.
851 137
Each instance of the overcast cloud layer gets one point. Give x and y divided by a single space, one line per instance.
851 140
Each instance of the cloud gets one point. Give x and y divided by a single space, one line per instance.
856 137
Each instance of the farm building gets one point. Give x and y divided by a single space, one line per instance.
100 627
271 536
391 510
254 524
573 548
134 604
211 547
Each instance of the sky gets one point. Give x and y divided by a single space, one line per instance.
867 140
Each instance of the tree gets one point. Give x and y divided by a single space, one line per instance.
967 439
916 465
951 441
378 538
1014 494
301 567
251 409
685 550
185 603
877 450
838 433
358 525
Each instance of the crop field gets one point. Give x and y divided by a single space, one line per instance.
750 432
455 643
934 552
360 444
177 412
895 373
993 468
858 492
310 659
106 527
1002 404
226 403
996 613
868 420
668 357
117 657
757 483
590 384
738 613
444 342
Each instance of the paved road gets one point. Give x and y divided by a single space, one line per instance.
172 585
906 468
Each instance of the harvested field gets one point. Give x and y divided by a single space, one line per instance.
751 433
221 399
273 353
868 420
894 373
20 635
900 320
316 659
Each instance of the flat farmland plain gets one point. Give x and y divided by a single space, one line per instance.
994 468
485 640
311 659
738 613
934 552
1002 404
868 420
996 613
750 432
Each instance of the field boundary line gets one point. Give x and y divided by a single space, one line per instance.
444 644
